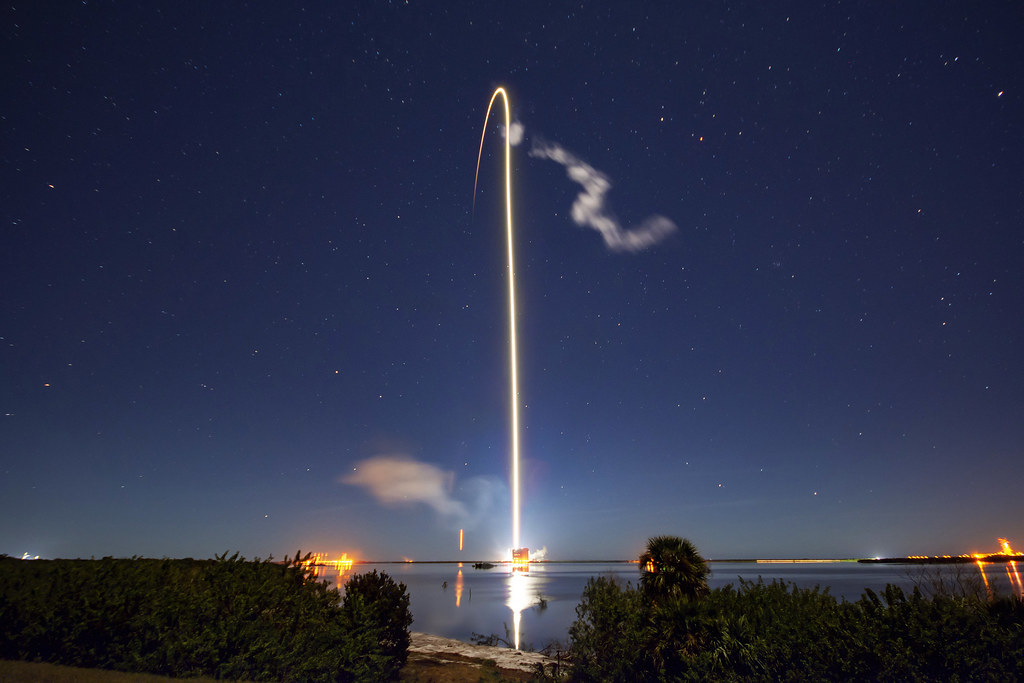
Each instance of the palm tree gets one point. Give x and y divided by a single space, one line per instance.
672 566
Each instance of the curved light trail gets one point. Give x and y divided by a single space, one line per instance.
514 398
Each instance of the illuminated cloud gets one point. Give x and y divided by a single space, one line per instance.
399 480
515 133
589 207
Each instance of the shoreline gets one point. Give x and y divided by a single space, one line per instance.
446 650
988 559
503 563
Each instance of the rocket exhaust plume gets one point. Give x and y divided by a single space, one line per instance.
514 375
589 209
400 480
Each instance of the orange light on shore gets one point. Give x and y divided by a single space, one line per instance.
320 563
520 559
1004 554
1005 551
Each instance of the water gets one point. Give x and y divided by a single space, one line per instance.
455 600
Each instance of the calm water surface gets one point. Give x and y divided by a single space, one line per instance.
456 601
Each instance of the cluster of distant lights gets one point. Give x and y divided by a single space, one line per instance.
1005 549
319 563
971 556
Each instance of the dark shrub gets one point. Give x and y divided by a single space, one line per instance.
609 637
769 632
225 618
375 618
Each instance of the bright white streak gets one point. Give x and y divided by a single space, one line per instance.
511 301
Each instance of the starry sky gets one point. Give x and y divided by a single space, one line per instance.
770 278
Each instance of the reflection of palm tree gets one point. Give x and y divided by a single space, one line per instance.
672 566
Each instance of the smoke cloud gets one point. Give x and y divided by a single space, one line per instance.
400 480
515 133
589 207
397 480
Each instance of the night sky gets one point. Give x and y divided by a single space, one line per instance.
248 304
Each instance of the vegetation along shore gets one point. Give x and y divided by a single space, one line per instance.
229 618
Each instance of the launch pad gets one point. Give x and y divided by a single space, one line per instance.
520 559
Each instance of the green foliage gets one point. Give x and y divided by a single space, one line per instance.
609 638
672 628
225 618
671 566
776 631
375 616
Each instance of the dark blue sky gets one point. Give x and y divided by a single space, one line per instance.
248 304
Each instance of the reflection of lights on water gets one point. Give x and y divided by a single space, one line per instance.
524 592
981 568
1011 571
458 586
1012 575
519 598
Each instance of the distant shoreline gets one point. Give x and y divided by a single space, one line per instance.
499 563
992 559
959 559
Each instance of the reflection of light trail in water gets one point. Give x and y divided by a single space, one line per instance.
981 568
1011 571
458 586
511 302
1012 574
518 600
521 597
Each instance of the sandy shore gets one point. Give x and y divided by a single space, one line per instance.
446 649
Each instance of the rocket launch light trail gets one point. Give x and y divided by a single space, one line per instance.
511 301
517 597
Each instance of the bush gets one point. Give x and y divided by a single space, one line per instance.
225 618
610 635
776 631
375 617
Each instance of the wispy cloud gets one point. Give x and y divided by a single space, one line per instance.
589 207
